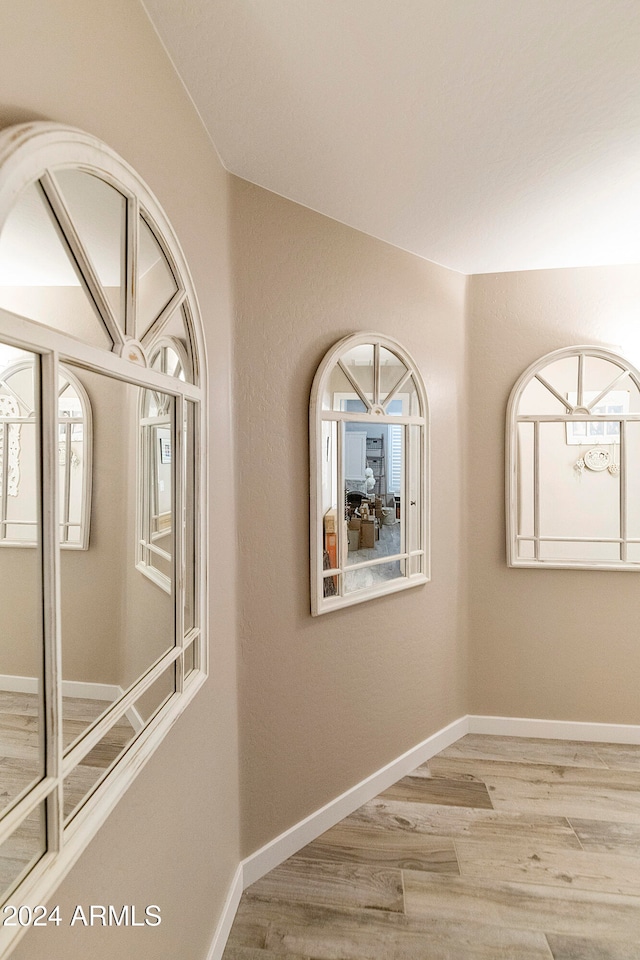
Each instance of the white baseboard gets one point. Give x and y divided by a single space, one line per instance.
278 850
227 917
555 729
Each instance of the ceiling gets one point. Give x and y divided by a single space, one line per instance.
485 135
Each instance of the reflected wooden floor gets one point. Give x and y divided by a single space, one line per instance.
499 848
21 766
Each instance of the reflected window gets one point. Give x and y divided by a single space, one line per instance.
169 355
155 500
18 399
573 452
369 446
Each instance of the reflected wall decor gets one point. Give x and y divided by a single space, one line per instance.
102 418
369 473
573 462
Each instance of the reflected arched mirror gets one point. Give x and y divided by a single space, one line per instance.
369 477
573 453
18 424
101 424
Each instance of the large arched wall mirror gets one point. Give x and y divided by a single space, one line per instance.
369 476
102 422
573 461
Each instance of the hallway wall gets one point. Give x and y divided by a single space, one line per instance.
326 701
173 839
555 644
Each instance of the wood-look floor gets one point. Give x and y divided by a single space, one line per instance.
499 848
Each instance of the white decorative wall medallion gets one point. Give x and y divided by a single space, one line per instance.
597 459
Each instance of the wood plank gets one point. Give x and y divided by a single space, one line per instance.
522 906
346 843
400 818
620 756
581 797
567 753
480 770
332 884
454 793
579 948
26 704
532 863
606 837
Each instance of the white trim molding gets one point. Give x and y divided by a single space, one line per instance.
555 729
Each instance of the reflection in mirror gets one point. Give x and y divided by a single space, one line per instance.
373 467
168 358
358 363
339 393
392 374
573 510
155 541
369 488
189 661
86 776
99 212
404 401
37 277
572 448
191 576
21 710
156 282
17 400
115 622
21 850
74 460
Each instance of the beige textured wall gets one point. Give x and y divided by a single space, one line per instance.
545 643
326 701
173 839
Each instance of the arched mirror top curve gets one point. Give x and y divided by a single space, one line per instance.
369 451
370 374
76 219
573 455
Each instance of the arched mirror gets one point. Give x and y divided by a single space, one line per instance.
573 452
101 535
369 477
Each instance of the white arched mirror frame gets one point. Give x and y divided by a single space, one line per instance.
27 154
415 555
577 409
